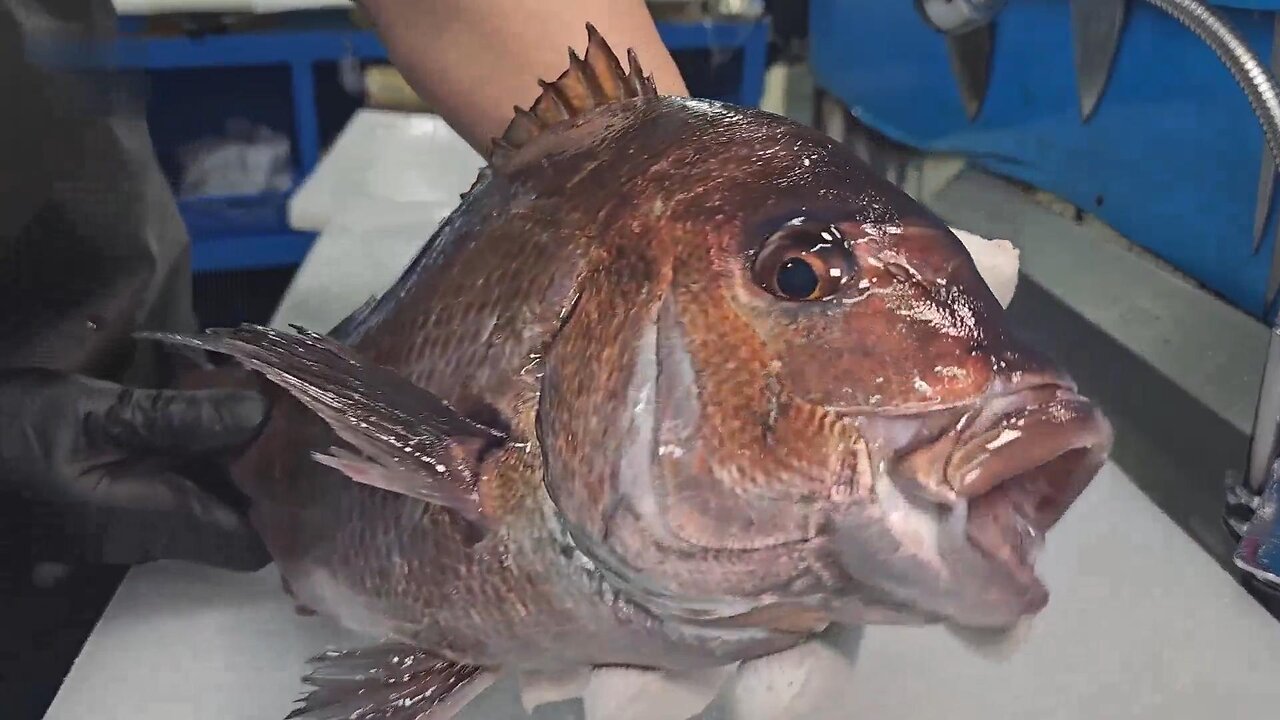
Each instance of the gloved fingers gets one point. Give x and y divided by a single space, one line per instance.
131 517
187 422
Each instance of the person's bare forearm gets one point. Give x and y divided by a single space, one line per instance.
473 60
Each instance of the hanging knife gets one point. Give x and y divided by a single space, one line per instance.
970 53
1095 35
967 25
1267 178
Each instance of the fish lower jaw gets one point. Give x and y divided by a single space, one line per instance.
995 531
1014 545
971 564
1009 545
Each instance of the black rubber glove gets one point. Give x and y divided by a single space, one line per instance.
113 464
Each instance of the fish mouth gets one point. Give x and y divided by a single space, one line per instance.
965 497
1030 456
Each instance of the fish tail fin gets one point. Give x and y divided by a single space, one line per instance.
388 682
592 81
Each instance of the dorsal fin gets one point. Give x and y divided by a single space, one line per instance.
592 81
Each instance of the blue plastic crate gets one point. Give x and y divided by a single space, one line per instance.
214 216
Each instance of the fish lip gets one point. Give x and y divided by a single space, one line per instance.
1020 440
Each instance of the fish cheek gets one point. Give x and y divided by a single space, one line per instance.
587 414
716 482
761 464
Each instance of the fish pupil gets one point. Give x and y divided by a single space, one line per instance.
797 279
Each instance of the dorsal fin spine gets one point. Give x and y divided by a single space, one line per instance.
595 91
549 109
589 83
555 90
523 126
636 77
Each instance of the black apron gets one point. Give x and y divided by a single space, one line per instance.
92 248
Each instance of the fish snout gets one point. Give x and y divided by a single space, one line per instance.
1028 455
1037 440
970 491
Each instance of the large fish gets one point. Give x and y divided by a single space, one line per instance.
678 384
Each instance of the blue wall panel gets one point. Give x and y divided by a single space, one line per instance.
1170 158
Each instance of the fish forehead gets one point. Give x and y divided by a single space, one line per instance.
733 161
729 162
704 178
698 185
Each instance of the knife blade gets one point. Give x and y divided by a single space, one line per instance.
970 54
1095 34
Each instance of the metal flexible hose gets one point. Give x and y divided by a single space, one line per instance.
1260 87
1249 72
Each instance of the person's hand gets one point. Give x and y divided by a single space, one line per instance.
118 466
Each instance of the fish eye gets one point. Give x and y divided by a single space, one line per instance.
804 262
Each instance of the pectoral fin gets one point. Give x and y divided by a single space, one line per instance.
413 442
400 480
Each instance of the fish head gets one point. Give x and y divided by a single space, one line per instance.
808 405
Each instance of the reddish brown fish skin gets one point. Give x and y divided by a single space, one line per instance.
620 239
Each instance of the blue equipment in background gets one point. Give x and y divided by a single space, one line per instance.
286 78
1170 156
